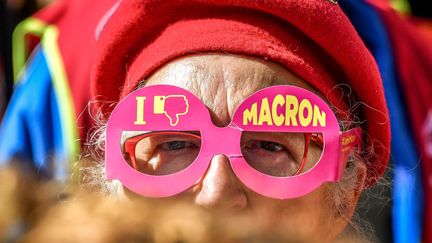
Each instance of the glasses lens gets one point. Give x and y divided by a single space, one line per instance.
161 153
281 154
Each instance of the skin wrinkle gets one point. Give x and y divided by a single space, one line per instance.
216 80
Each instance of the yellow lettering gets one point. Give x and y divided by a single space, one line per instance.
265 115
305 105
348 140
319 117
278 101
291 109
140 110
250 115
295 113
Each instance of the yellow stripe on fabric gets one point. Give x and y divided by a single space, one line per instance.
62 90
30 25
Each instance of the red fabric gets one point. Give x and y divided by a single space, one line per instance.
77 21
312 38
412 47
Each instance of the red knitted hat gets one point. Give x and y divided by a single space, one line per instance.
311 38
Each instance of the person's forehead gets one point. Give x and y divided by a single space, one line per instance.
223 81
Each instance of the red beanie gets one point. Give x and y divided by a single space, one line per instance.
311 38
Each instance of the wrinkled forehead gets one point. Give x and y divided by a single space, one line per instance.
223 81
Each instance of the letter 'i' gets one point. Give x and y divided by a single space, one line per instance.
140 110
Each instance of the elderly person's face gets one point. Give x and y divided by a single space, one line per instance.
222 82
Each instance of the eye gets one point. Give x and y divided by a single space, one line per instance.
281 154
264 147
177 145
162 153
271 146
270 157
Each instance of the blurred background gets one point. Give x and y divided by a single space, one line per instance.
46 48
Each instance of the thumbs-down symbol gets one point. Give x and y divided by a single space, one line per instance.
172 106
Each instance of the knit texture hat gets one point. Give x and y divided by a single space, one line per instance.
311 38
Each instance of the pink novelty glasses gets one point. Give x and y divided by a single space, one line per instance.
283 141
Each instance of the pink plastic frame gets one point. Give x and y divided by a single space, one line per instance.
336 149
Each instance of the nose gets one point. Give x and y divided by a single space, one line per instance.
220 188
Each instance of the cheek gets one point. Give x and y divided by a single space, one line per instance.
307 218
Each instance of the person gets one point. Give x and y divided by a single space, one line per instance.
52 56
201 65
